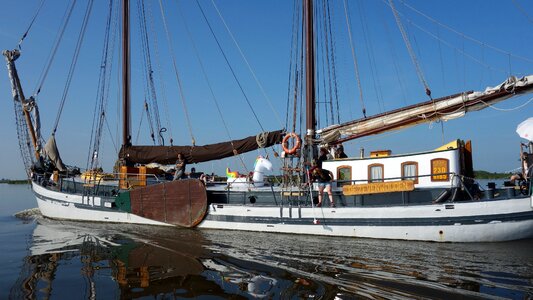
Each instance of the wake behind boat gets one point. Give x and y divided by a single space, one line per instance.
428 196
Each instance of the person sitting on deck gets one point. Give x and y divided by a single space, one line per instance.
339 153
195 174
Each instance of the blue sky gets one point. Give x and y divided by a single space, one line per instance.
263 30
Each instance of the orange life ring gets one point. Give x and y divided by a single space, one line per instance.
296 144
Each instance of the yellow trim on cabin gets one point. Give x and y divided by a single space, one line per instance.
451 145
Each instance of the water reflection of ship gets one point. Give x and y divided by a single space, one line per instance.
139 268
130 261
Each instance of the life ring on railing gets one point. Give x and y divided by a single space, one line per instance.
296 146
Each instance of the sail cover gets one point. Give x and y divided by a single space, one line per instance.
196 154
445 108
50 151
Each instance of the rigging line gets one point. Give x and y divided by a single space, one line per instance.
354 58
464 63
229 66
510 66
23 136
327 42
322 50
465 36
182 95
145 70
101 97
507 109
149 119
454 48
294 67
31 24
247 64
301 67
149 70
441 60
394 56
370 55
318 101
139 130
154 102
149 92
110 134
159 70
108 74
214 98
442 130
74 62
53 51
301 94
295 103
202 67
293 56
333 64
522 10
409 48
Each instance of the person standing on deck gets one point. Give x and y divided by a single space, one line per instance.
324 179
180 167
324 155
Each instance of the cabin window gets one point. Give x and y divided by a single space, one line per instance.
344 173
410 171
375 173
440 169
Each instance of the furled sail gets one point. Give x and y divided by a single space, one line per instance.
197 154
52 153
445 108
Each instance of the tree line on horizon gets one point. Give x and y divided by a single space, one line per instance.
480 174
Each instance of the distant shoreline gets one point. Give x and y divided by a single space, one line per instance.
9 181
491 175
477 174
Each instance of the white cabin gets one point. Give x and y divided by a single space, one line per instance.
433 169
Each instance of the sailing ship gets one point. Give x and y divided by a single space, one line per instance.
427 196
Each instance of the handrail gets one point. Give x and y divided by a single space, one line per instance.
453 174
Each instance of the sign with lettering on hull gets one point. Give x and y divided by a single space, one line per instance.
378 187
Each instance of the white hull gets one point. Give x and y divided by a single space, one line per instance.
479 221
475 227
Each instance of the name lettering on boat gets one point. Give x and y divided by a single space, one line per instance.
378 187
439 169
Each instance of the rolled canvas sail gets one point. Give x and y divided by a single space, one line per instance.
197 154
51 151
445 108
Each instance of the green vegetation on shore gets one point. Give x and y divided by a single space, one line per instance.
491 175
477 174
10 181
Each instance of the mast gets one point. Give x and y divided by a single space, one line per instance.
309 78
18 94
126 131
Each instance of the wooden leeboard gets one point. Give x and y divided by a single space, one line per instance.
179 202
378 187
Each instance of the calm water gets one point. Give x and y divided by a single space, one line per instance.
44 259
